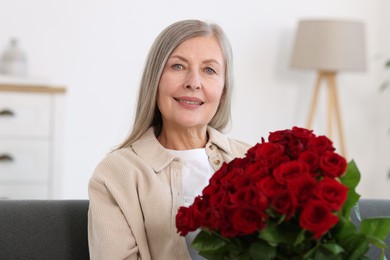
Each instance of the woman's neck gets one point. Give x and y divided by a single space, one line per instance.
183 139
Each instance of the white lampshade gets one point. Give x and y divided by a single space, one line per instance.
329 45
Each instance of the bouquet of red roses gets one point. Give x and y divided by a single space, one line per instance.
288 198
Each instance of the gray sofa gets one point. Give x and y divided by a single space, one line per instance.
57 229
43 229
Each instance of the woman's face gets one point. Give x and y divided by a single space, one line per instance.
192 83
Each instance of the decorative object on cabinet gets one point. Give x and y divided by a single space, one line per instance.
329 46
13 60
30 140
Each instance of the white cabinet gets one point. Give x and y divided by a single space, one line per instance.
29 141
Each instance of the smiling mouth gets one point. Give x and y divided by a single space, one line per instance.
189 102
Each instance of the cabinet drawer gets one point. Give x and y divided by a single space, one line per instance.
24 114
24 191
24 160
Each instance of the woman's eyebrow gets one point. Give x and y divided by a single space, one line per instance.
186 60
212 61
178 57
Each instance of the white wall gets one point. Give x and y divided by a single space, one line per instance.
97 48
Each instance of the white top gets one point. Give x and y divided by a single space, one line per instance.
197 171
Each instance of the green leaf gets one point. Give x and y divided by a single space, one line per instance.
377 228
262 250
333 248
356 246
209 242
343 229
244 257
377 242
241 257
324 254
212 256
285 233
235 246
350 179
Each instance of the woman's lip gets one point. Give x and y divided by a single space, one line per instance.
189 100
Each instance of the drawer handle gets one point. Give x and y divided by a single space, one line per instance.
6 112
6 158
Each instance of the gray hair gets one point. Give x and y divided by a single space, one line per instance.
147 112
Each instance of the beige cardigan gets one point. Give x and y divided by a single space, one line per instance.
134 195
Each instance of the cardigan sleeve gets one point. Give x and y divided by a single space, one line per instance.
109 235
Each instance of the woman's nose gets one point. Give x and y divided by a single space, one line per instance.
193 80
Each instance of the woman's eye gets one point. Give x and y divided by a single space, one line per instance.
210 71
177 66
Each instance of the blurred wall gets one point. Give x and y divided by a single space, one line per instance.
97 49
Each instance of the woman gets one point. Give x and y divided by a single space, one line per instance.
174 148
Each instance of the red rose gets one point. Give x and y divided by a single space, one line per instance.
249 196
269 154
332 164
228 180
212 219
332 193
247 220
262 202
275 162
290 170
268 150
317 218
209 190
219 174
198 207
302 188
217 196
257 170
251 153
310 158
247 180
226 228
302 133
239 162
269 186
284 203
320 144
294 140
245 195
185 221
282 137
295 147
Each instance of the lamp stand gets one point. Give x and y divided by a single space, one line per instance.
333 111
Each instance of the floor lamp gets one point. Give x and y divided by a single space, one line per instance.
329 47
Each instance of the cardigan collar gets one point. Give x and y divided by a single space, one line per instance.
150 150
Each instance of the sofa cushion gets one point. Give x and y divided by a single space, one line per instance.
43 229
